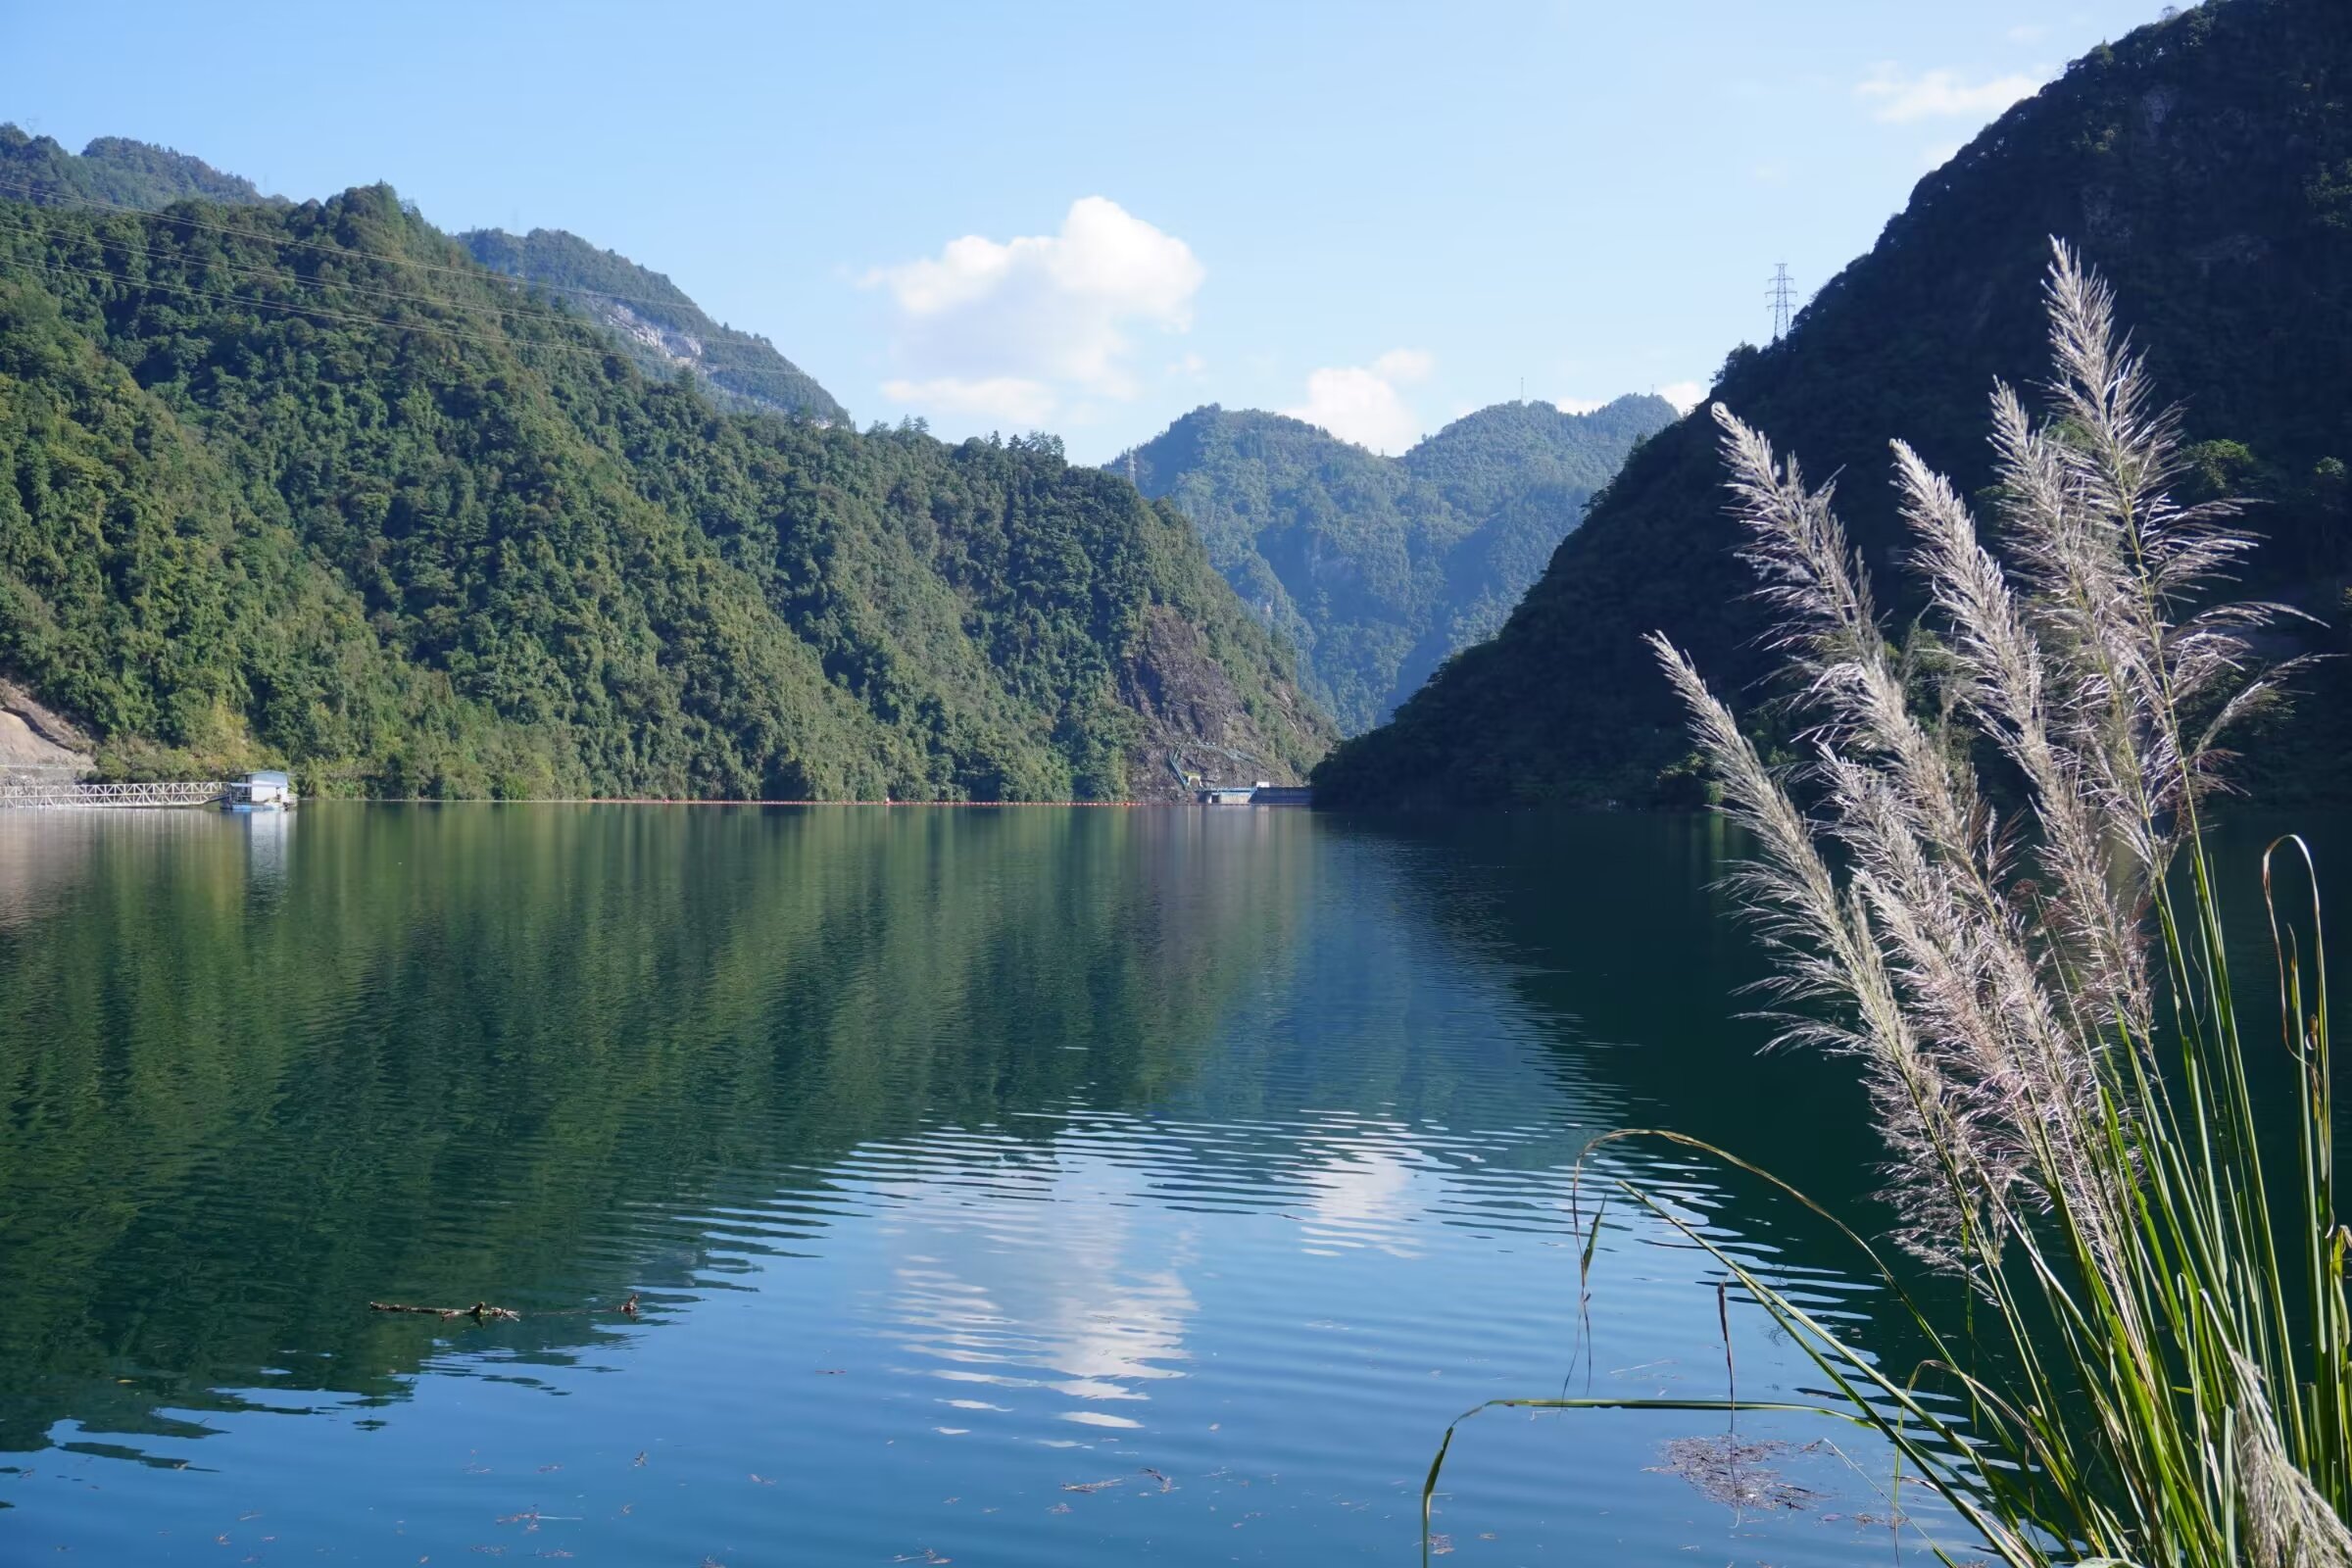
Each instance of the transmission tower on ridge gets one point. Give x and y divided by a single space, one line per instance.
1783 295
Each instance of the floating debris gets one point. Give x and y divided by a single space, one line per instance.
1735 1473
1093 1486
484 1313
479 1311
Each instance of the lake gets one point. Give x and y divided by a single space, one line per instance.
1009 1186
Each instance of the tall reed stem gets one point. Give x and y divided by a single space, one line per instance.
1996 899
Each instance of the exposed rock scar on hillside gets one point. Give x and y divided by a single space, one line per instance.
1191 709
31 737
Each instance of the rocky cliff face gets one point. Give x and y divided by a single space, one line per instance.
660 327
681 349
35 744
1194 719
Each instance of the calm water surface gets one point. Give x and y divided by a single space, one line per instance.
1015 1188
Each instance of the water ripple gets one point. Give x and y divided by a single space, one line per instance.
1025 1189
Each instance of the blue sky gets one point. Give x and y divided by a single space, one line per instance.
1091 218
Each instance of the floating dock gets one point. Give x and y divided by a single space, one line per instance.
1259 794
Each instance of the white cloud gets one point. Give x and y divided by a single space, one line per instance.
1683 395
1362 404
1899 99
1013 399
990 326
2029 32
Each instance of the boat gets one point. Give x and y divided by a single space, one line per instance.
266 791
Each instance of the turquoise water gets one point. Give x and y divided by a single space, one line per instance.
1009 1187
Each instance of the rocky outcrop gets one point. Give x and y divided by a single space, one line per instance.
35 743
1195 720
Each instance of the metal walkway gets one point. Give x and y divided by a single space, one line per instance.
66 793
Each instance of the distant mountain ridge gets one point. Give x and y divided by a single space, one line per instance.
665 331
2203 164
1379 568
653 320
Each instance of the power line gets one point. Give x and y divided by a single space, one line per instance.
1783 295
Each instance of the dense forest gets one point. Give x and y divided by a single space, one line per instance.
650 317
1376 568
2204 166
111 171
663 329
307 483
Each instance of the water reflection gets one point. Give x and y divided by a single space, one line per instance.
1075 1299
973 1169
266 835
48 855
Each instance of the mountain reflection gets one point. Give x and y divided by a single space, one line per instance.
264 1073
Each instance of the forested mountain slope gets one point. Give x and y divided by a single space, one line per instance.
663 329
306 483
648 314
1379 567
2204 166
112 170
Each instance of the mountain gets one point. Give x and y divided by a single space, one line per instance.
648 314
2204 166
1379 567
110 171
306 483
663 329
